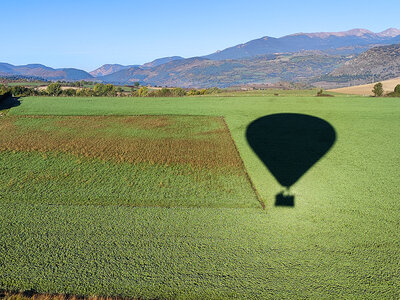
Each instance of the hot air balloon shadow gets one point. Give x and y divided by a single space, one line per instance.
289 145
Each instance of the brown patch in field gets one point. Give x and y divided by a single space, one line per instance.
81 122
6 126
218 151
146 122
211 132
141 122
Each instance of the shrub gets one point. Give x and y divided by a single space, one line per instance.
178 92
54 89
164 92
143 91
69 92
85 92
193 93
21 91
213 90
321 93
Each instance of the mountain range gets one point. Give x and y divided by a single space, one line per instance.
346 42
41 71
202 72
296 57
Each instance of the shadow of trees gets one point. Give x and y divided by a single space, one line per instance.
9 102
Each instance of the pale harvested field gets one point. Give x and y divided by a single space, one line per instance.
366 89
44 87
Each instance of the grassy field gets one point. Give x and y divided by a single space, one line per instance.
268 93
137 161
340 240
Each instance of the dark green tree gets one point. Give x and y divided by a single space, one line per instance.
54 89
69 92
21 91
378 90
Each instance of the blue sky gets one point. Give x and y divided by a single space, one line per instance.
86 34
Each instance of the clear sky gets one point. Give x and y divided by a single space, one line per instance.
86 33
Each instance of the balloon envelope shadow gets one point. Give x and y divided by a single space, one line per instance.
289 145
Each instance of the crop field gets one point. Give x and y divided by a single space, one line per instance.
166 198
134 160
27 84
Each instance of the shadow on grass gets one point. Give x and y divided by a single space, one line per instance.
289 145
9 102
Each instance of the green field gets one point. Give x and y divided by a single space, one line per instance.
340 240
168 161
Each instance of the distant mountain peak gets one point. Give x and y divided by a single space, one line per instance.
161 61
353 32
390 32
356 32
108 69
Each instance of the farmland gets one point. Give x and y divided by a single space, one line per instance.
366 89
204 234
140 161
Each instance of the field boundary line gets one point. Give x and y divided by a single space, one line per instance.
244 168
116 115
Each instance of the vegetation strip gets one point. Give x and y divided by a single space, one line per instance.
247 174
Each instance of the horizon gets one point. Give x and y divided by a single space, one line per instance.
108 63
137 33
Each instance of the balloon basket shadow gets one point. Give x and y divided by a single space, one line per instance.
284 198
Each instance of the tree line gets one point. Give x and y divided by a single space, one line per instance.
57 89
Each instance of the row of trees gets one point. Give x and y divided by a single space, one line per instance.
172 92
102 90
18 91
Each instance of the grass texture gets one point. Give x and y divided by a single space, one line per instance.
340 240
135 161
